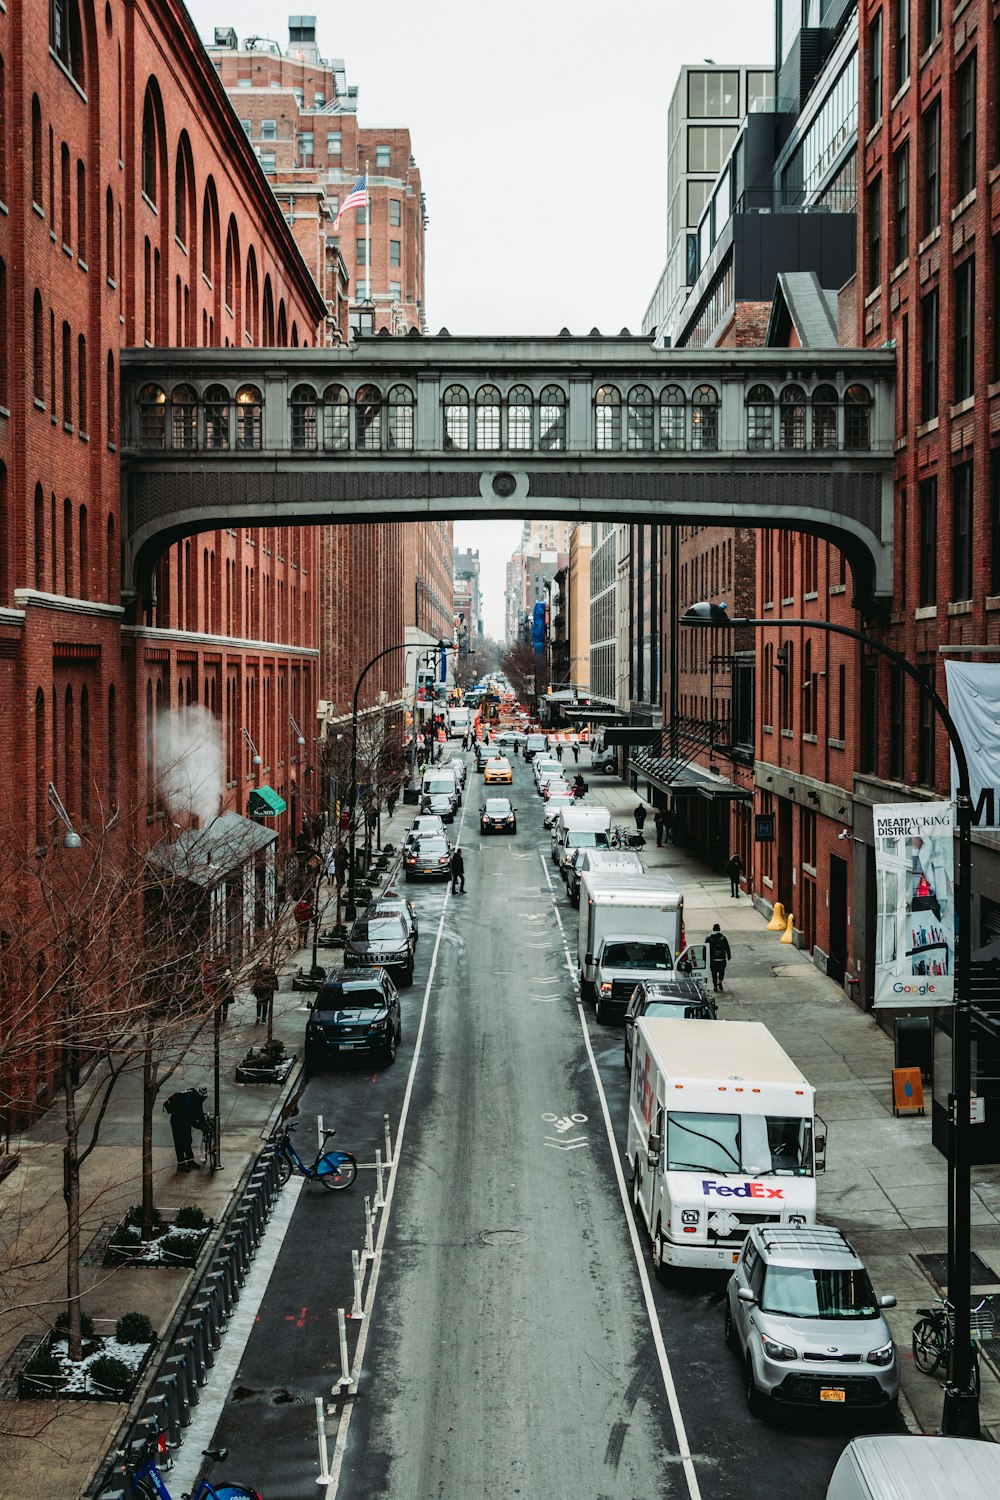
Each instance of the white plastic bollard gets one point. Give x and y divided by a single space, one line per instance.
344 1382
379 1200
357 1311
324 1476
388 1141
369 1243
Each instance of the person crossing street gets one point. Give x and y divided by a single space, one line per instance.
719 954
457 870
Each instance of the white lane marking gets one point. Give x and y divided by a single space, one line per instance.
344 1424
566 1145
188 1460
684 1449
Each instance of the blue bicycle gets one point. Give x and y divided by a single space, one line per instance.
143 1481
333 1169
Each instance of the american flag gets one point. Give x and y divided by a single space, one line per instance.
356 198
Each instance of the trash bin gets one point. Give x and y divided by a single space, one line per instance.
914 1043
411 796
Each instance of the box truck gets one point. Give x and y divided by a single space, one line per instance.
459 721
631 928
580 828
722 1135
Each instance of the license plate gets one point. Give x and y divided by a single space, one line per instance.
349 1046
428 872
833 1394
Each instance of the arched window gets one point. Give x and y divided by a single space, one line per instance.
282 325
84 551
607 419
519 418
183 417
639 419
824 409
152 417
67 548
251 305
793 417
81 212
41 777
208 233
267 326
40 538
232 268
672 408
760 417
109 235
488 419
110 399
111 563
37 348
149 149
400 408
303 403
704 418
64 196
37 164
67 372
183 186
81 383
249 417
66 36
456 417
857 417
216 417
368 418
336 410
552 419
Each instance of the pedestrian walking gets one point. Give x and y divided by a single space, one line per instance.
734 870
303 917
559 751
225 992
263 982
576 753
390 802
342 863
669 826
330 866
658 824
719 955
186 1112
640 816
457 870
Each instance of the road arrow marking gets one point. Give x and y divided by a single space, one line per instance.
565 1145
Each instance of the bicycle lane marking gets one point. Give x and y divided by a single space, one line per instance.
683 1447
344 1424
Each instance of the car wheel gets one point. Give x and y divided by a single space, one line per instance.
663 1271
729 1331
636 1183
756 1404
390 1048
601 1010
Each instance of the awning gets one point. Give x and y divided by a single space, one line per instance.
265 802
692 781
207 856
631 735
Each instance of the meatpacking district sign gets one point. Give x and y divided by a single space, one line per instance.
974 704
915 925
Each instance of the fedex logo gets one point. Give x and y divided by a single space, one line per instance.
744 1190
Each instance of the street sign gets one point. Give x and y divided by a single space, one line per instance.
763 828
977 1110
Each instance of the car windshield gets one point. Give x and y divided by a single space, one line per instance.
378 930
584 838
778 1145
497 807
432 846
636 954
692 1010
335 1004
439 788
802 1292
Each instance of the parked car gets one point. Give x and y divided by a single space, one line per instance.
547 776
428 859
355 1011
893 1467
546 765
554 804
498 770
497 816
440 804
555 787
426 826
582 858
679 999
535 744
802 1315
391 901
381 941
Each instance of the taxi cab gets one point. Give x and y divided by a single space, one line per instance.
498 771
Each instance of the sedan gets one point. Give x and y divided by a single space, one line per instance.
497 816
390 903
557 803
556 787
355 1011
430 859
439 805
508 738
381 942
498 771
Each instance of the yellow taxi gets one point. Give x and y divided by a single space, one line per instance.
498 770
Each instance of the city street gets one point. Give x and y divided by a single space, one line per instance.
516 1344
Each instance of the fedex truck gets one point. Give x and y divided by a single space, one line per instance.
722 1135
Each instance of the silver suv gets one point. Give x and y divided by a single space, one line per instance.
802 1314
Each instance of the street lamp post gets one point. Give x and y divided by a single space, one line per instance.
352 794
961 1401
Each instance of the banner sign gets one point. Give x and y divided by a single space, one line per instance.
915 923
974 704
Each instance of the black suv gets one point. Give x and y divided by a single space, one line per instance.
381 940
680 998
355 1011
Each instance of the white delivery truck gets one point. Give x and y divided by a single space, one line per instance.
602 757
580 828
722 1136
631 928
459 722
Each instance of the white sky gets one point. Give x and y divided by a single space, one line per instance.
541 125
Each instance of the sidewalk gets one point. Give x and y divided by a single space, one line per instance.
885 1184
55 1457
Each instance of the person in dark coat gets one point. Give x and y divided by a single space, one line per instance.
264 983
719 955
186 1111
734 870
640 816
658 824
457 870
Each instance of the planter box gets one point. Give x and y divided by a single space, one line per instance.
76 1384
250 1070
153 1254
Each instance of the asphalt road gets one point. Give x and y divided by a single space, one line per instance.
515 1344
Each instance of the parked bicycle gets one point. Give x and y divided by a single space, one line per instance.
333 1169
933 1335
625 838
209 1147
144 1480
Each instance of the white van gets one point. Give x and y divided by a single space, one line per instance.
916 1468
459 722
576 828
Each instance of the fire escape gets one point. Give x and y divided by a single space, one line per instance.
726 734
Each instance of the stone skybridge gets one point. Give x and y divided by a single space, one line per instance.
577 429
